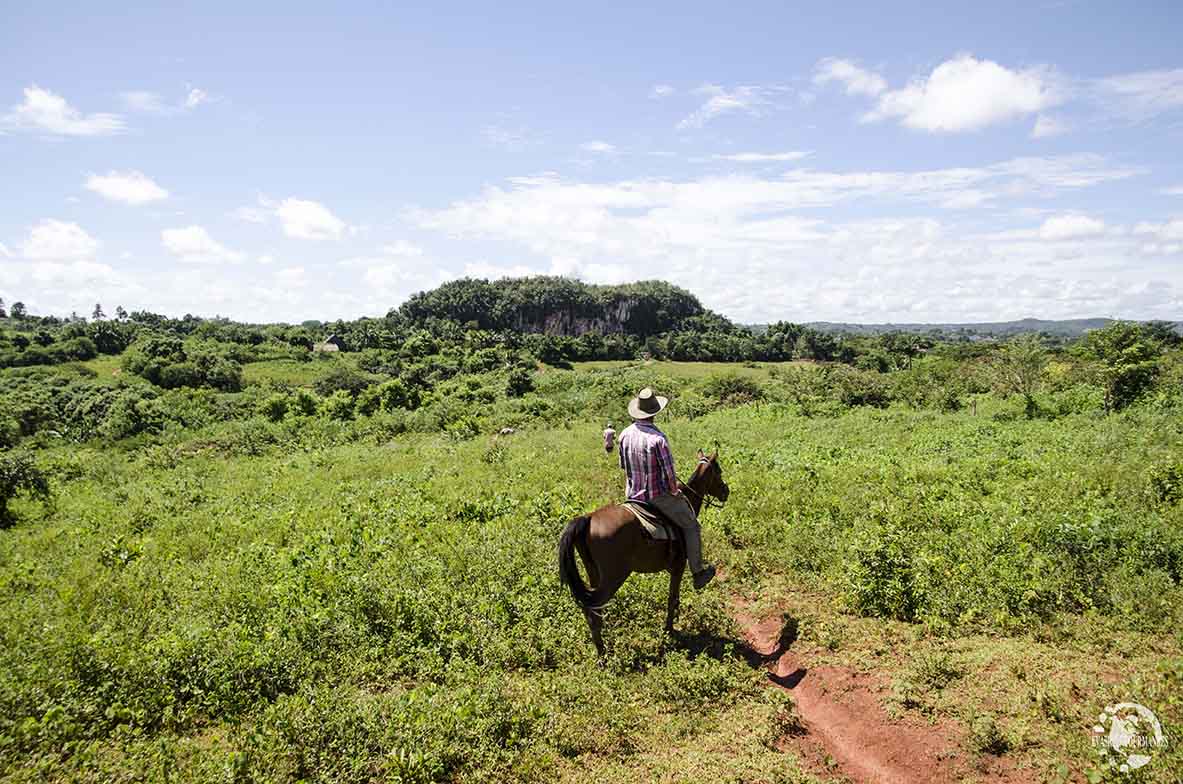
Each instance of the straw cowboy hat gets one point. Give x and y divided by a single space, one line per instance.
646 404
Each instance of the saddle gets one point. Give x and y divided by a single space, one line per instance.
656 526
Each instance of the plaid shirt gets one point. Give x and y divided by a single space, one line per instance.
647 462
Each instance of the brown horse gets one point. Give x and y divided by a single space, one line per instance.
612 545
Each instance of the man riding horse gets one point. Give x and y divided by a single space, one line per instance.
613 543
650 479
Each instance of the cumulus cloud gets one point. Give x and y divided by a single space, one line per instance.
308 220
661 91
43 111
720 101
195 245
768 247
1070 227
855 79
764 157
966 94
130 187
54 240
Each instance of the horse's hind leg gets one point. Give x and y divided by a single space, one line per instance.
595 622
671 612
610 582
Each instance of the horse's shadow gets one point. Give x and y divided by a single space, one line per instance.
719 647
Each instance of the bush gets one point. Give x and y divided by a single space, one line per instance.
19 475
732 389
338 405
341 379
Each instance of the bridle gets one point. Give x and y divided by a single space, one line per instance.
704 500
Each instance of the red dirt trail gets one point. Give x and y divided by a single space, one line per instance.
848 734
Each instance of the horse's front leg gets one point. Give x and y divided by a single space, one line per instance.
671 612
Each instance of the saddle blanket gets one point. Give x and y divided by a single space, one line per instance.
654 524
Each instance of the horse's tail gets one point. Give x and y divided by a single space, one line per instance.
576 531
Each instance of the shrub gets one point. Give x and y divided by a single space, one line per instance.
338 405
387 396
341 379
519 382
19 475
732 389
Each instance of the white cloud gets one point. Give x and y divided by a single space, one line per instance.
764 157
1170 231
402 248
54 240
148 102
1142 95
1047 125
4 251
308 220
1070 227
747 99
965 94
130 187
857 80
599 147
291 277
661 91
1174 190
196 97
47 112
757 248
266 259
194 244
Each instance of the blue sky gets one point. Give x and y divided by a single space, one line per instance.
859 162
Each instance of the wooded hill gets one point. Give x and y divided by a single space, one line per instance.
561 306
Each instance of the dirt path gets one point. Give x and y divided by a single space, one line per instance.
848 734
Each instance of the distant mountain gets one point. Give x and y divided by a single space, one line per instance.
1069 328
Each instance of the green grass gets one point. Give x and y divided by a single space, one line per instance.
217 606
290 372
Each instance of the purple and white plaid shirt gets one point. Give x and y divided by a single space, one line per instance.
647 462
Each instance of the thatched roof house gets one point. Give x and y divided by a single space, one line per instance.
331 343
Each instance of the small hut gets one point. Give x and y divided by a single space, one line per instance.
331 343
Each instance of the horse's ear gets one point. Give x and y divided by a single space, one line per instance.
701 454
715 456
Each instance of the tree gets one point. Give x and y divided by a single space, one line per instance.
18 310
3 312
1126 357
97 314
120 313
19 474
1019 369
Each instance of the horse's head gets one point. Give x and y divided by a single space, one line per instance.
710 476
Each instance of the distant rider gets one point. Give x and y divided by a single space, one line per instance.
609 438
649 467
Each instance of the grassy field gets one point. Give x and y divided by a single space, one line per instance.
320 601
